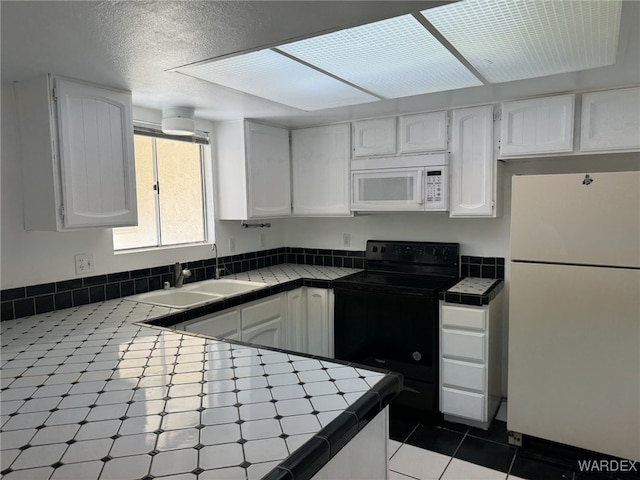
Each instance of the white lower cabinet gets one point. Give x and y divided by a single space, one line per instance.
310 321
260 322
223 325
263 322
470 362
300 320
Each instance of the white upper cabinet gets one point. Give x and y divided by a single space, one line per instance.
374 137
537 126
77 155
610 120
320 159
253 171
471 165
423 132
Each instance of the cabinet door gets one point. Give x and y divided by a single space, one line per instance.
320 166
268 172
537 126
471 164
96 153
374 137
318 319
611 120
224 325
263 324
424 132
296 320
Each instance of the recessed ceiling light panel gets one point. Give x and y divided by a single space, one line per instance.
273 76
392 58
509 40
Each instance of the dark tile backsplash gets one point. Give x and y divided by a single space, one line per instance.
482 267
25 301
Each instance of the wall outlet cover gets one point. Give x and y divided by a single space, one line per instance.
346 239
84 263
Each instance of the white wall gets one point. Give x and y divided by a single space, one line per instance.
30 257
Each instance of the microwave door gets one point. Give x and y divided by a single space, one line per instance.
388 190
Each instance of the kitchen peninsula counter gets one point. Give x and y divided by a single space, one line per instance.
93 393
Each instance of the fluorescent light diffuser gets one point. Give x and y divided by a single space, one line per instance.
273 76
509 40
392 58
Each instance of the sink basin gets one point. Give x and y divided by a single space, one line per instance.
199 293
175 298
226 287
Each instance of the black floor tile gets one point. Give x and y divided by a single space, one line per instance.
558 454
497 432
456 427
530 469
400 426
486 453
436 439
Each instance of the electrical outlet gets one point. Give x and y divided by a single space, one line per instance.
263 240
84 263
346 239
232 245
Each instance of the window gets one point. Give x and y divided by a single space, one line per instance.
170 179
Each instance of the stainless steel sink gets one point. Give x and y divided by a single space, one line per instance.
196 294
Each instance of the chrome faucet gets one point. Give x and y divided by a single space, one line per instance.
179 274
214 249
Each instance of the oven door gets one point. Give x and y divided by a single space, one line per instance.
392 189
392 331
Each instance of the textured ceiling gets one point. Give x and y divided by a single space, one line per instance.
133 44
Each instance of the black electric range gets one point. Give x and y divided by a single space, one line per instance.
387 315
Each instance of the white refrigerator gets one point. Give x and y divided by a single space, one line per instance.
574 310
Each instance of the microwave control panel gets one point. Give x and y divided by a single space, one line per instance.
436 195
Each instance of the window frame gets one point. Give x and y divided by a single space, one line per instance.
206 172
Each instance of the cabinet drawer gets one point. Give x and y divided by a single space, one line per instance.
463 404
463 374
463 317
467 345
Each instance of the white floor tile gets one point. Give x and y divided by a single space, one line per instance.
30 474
393 447
230 473
418 463
461 470
399 476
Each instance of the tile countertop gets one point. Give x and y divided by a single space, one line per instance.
473 291
280 278
89 393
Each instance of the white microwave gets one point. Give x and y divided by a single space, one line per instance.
416 183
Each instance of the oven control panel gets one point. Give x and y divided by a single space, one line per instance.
413 252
